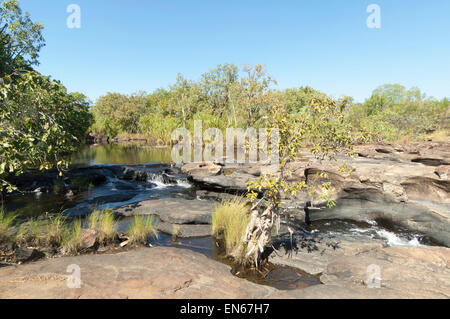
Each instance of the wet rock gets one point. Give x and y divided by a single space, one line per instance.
134 174
94 138
184 230
23 255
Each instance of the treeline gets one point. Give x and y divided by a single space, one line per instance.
41 123
229 97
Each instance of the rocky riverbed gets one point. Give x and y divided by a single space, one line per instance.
393 201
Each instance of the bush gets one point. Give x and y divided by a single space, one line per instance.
158 127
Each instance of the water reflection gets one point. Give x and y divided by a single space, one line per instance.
123 154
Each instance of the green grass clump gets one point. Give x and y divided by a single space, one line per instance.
56 231
141 229
31 233
105 224
230 219
72 240
6 222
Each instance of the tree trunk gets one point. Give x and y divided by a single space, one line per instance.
257 236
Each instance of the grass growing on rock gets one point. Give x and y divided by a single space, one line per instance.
72 241
140 230
230 219
56 231
104 222
6 221
31 233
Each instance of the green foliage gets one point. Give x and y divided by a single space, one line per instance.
140 230
158 127
40 124
20 39
230 219
116 113
221 98
393 113
322 128
298 100
40 121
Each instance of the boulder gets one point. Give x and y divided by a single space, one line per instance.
23 255
89 239
200 169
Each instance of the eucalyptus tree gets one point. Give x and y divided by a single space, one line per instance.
218 86
254 86
184 98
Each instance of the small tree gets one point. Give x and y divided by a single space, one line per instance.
323 130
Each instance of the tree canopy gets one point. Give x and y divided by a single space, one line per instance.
41 123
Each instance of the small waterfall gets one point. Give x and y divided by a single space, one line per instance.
395 240
164 181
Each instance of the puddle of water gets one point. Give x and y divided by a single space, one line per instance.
280 277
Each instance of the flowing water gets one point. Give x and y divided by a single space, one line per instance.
115 193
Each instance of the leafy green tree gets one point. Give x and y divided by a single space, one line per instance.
322 129
298 100
184 99
40 125
117 113
20 39
218 86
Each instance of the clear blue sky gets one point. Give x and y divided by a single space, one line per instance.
126 46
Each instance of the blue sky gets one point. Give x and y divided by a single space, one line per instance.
126 46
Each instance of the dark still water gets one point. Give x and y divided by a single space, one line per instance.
111 194
122 154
